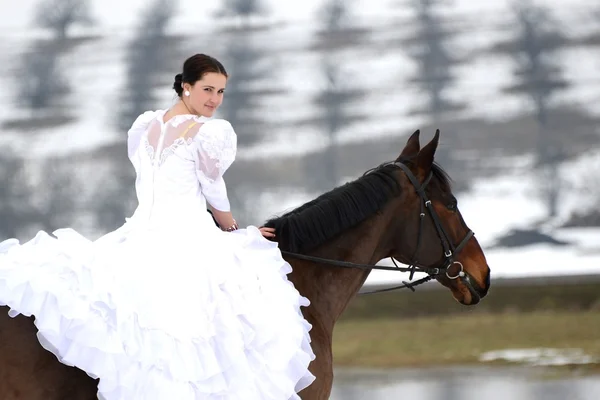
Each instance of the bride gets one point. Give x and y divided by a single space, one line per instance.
169 306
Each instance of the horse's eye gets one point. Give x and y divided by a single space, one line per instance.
453 205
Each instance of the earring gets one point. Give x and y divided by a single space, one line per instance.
187 92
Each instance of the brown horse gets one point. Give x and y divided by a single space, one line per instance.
404 209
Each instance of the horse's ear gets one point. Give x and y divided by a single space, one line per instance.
412 146
427 153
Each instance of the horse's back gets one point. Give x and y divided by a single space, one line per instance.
27 371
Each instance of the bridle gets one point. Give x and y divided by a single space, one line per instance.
450 250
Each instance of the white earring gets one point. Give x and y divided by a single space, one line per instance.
187 92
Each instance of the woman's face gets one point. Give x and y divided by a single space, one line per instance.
206 95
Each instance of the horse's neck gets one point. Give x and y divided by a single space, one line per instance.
331 288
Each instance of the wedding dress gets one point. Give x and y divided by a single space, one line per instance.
168 306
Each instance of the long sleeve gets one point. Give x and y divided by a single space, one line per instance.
215 150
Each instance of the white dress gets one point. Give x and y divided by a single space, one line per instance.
168 306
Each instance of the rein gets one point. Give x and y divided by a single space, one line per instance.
432 272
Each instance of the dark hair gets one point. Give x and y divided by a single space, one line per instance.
194 69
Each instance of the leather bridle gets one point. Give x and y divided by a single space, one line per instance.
450 251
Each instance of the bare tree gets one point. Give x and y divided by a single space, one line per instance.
429 47
48 202
40 83
58 194
586 184
148 56
335 14
17 212
115 198
60 15
321 171
539 79
241 106
156 18
242 8
244 59
534 50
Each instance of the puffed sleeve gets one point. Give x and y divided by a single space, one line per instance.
135 133
215 150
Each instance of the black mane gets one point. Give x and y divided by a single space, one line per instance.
325 217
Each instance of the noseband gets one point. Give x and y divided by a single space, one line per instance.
450 251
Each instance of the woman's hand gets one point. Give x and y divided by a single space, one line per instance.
267 232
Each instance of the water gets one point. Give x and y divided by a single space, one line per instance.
464 383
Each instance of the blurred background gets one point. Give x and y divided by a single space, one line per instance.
320 91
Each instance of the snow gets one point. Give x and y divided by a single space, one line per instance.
96 76
540 356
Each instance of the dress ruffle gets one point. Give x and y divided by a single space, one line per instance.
213 317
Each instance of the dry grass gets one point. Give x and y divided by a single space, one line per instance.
460 339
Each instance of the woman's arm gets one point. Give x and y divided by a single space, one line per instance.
226 222
224 219
216 146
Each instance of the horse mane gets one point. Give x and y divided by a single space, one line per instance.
342 208
319 220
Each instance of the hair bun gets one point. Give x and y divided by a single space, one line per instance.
177 85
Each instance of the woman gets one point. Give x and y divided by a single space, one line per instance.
169 306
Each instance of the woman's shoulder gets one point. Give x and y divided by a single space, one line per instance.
145 118
217 127
217 135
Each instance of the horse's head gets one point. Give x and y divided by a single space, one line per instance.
435 236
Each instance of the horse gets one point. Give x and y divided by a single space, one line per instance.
403 210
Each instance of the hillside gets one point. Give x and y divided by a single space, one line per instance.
318 95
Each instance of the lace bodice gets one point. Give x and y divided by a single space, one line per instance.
180 162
